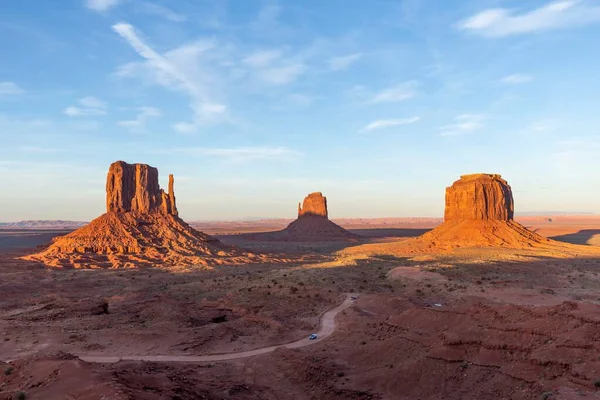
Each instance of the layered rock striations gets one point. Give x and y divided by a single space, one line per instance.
312 225
141 227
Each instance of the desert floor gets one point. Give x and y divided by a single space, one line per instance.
472 324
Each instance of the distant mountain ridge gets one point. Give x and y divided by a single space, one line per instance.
42 224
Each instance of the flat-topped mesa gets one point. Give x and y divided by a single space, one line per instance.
315 204
479 197
134 187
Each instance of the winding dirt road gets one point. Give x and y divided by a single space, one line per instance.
327 327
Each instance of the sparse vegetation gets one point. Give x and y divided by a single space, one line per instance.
21 396
546 395
597 383
8 370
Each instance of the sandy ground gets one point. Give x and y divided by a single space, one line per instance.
475 324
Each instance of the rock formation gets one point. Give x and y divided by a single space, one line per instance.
134 187
479 197
312 225
479 213
141 227
314 204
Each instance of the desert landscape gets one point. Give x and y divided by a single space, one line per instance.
299 200
138 304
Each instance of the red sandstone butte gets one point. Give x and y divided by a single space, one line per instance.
314 204
479 197
134 187
312 225
141 227
479 213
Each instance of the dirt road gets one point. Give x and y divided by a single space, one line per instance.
327 327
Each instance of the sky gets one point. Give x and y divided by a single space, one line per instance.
253 104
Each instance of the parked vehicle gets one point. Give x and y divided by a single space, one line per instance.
312 336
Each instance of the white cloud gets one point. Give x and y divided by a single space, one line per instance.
463 125
161 11
92 102
500 22
144 114
244 153
282 75
39 149
343 62
88 106
516 79
177 69
401 92
101 5
10 88
387 123
262 58
270 67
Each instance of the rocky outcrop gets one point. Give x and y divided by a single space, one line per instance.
134 187
314 204
479 197
141 228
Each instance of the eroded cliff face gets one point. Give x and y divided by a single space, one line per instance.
314 204
134 187
479 197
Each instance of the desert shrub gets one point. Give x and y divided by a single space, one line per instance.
8 370
597 383
21 396
546 395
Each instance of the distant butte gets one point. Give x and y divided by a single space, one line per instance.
312 225
141 227
314 204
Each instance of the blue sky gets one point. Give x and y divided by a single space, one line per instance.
253 104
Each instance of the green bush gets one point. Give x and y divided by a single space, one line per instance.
21 396
8 370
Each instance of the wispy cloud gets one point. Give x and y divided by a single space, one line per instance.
262 58
88 106
244 153
464 124
271 67
500 22
401 92
144 114
282 75
388 123
161 11
177 69
343 62
101 5
10 88
516 79
40 150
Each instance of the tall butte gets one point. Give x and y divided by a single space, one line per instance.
312 225
141 227
479 212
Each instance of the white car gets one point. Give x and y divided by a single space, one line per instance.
312 336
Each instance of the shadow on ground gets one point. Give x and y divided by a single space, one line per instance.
583 237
